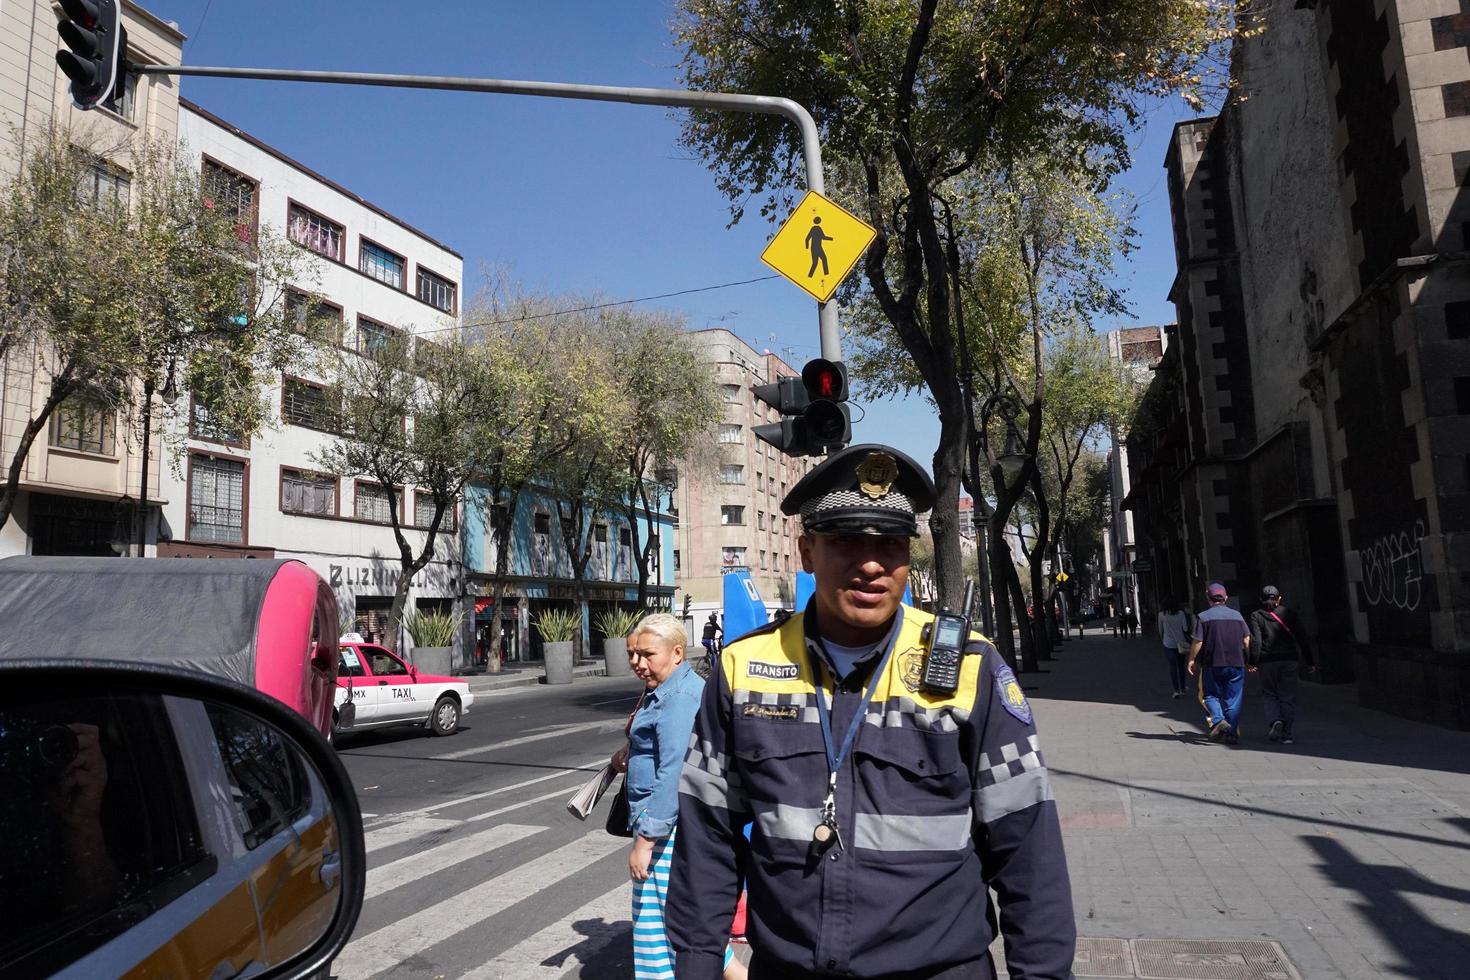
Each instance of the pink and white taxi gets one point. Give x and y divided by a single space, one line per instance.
385 691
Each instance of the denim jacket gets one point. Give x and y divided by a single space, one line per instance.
657 742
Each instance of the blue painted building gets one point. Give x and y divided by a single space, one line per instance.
539 574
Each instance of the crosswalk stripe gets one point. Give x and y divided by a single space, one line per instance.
562 793
403 830
557 732
578 770
563 945
410 935
395 874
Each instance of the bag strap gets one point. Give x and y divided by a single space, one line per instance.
1282 624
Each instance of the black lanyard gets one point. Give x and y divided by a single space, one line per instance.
834 760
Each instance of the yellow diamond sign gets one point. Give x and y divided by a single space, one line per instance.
1062 576
818 245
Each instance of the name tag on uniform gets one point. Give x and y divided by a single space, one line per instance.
774 672
772 712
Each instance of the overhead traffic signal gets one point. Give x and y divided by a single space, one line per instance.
814 416
96 47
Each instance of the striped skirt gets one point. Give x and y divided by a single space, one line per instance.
653 958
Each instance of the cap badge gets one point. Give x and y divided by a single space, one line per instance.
876 475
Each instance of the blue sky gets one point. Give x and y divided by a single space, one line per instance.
572 197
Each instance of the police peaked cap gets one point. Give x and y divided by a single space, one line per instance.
866 489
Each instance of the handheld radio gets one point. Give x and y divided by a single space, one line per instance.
944 646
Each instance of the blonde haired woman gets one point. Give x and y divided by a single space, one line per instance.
657 739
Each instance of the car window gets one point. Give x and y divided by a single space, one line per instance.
384 662
99 821
266 782
349 666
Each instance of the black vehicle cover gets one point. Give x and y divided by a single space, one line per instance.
202 614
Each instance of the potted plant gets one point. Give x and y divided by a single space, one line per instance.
433 639
558 627
615 624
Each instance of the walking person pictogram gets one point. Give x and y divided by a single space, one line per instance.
814 240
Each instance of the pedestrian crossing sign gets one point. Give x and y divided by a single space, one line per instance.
818 245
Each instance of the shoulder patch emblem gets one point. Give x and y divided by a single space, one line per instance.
1008 691
774 672
772 712
910 668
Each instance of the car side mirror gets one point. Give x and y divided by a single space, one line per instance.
162 821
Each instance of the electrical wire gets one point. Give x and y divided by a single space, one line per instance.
594 306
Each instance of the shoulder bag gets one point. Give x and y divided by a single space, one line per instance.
619 813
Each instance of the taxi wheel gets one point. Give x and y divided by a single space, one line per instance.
444 720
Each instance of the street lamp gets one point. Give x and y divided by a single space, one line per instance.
1012 459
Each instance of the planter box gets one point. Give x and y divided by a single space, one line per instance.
615 654
558 662
433 660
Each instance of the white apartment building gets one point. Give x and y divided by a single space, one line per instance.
260 496
729 512
1138 349
82 480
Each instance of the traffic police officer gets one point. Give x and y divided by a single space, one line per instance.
884 812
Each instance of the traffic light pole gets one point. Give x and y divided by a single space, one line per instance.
811 145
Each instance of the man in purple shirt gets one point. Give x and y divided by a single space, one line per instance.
1220 641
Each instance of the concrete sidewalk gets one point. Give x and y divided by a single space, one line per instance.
1350 849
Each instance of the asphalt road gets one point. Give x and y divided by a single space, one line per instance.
475 867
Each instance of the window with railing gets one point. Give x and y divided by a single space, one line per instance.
86 425
370 503
216 500
732 515
310 230
309 405
381 264
732 474
437 291
729 433
374 337
315 318
233 194
312 494
205 423
105 185
423 513
731 393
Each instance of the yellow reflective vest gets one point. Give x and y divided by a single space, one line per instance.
940 796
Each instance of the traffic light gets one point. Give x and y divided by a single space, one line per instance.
814 418
97 43
688 601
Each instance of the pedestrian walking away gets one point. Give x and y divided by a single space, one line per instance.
1218 653
1174 631
1279 648
884 811
658 734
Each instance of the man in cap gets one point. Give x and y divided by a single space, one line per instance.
1219 645
1279 645
884 810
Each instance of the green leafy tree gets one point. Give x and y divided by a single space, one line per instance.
672 396
409 415
118 291
912 96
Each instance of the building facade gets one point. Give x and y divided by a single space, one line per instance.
260 496
540 575
81 486
1138 350
1313 429
729 507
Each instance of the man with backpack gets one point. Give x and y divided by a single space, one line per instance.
1279 646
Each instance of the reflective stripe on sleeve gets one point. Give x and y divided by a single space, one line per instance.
1012 795
878 832
713 790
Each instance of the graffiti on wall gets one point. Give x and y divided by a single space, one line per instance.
1393 569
